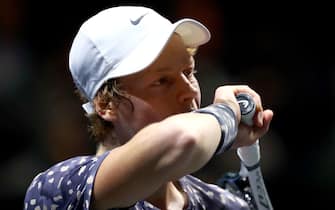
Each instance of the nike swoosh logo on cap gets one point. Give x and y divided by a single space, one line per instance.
138 20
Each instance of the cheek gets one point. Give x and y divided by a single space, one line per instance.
132 119
143 113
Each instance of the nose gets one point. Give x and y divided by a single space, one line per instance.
188 89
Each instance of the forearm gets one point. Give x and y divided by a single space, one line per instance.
193 147
163 151
203 134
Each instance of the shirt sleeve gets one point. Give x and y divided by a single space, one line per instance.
209 196
66 185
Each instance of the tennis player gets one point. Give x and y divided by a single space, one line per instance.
136 72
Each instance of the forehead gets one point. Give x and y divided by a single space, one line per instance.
175 56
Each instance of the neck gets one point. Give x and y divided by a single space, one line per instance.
107 144
102 148
169 196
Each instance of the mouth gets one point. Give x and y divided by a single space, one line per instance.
194 106
190 108
185 110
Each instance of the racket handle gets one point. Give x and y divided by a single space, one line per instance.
249 155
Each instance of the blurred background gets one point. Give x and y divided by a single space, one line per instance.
284 51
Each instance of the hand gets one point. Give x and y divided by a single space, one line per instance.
246 135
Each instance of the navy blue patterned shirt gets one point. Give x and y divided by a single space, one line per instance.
68 185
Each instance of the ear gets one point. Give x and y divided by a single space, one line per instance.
106 112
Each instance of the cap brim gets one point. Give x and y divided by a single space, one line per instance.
192 32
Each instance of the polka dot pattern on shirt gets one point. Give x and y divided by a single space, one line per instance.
66 185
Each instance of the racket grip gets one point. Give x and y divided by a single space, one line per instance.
249 155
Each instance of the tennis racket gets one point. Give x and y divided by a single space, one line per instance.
250 157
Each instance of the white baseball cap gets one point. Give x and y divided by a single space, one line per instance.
123 40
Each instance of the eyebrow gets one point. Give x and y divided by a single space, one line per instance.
167 69
164 69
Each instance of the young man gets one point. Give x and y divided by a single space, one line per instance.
136 71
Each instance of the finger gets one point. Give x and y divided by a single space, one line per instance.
258 119
256 97
267 118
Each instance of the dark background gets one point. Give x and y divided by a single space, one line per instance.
284 51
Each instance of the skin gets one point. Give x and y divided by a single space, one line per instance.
161 139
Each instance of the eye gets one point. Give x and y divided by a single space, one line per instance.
160 81
189 73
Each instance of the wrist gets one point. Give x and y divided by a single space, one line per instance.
228 123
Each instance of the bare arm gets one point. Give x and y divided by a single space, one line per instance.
161 152
167 150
